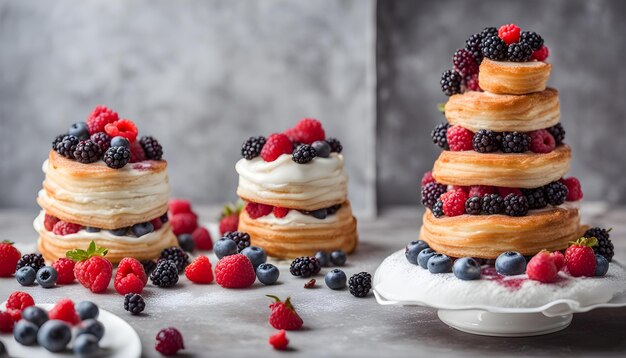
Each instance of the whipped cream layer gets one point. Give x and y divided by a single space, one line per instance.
296 218
285 183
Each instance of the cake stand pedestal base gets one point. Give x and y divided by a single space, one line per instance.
503 324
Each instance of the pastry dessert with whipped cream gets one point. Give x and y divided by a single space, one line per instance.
499 184
104 184
296 193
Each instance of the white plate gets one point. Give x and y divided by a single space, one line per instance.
120 340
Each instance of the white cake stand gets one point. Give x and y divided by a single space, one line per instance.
476 318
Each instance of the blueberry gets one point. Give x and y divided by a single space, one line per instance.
424 256
25 332
47 277
26 276
335 279
510 263
92 229
225 247
87 310
85 345
91 326
54 335
185 241
338 258
439 263
35 315
256 255
413 249
323 258
466 268
322 148
319 214
602 265
79 130
120 142
119 232
142 229
267 274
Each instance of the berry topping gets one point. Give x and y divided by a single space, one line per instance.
99 118
541 141
580 258
481 190
87 152
229 218
556 193
466 269
473 46
460 138
542 268
79 130
65 270
169 341
431 193
474 205
515 142
92 270
454 203
360 284
304 154
19 300
64 311
485 141
574 190
35 261
493 48
515 205
439 135
464 63
283 315
130 276
510 263
279 340
305 266
165 274
276 145
322 148
306 131
519 52
256 210
604 246
427 178
116 157
137 154
176 255
492 204
472 84
199 270
152 148
202 239
251 148
536 198
532 39
437 209
280 212
184 223
509 33
67 146
541 54
235 271
335 145
451 82
102 140
9 258
123 128
134 303
120 142
64 228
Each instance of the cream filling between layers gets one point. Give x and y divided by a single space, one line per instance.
296 218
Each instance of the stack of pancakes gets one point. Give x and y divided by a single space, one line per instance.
101 199
515 99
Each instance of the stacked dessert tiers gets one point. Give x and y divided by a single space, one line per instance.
498 185
104 184
295 189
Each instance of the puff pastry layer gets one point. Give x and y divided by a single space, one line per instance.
513 77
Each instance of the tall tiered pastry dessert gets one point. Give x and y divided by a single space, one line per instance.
104 184
296 193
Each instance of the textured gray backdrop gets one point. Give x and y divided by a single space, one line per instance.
203 75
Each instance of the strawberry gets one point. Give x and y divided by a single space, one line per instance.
92 270
19 300
542 268
130 277
9 256
64 310
199 270
283 315
580 258
229 218
279 340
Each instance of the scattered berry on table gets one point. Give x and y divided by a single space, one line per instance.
6 322
427 178
257 210
63 228
541 54
185 241
276 145
10 258
360 284
459 138
64 310
413 249
604 246
176 255
283 315
559 259
200 270
474 205
47 277
602 265
229 218
493 48
574 190
310 283
439 135
338 258
91 326
123 128
165 274
323 258
35 261
92 269
87 152
235 271
26 276
19 300
87 310
466 268
169 341
306 131
322 148
510 33
542 268
85 345
35 315
305 267
102 140
536 198
464 62
67 146
25 332
438 209
120 142
303 154
130 276
485 141
431 193
454 203
532 39
179 206
541 141
54 335
439 263
519 52
510 263
184 223
256 255
580 259
279 340
451 82
555 193
224 247
151 147
116 157
134 303
424 256
49 221
515 205
251 148
242 239
148 266
335 279
515 142
493 204
267 274
100 117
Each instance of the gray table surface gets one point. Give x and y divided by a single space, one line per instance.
219 322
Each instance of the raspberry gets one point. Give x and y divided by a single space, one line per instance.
64 310
574 191
151 147
136 152
199 270
283 315
503 191
431 193
102 140
229 223
276 145
156 223
184 223
509 33
65 270
92 270
9 258
123 128
306 131
6 322
451 82
481 190
541 141
49 221
280 212
256 210
179 206
99 118
169 341
16 315
19 300
439 135
64 228
541 54
464 63
427 178
130 277
463 188
542 268
559 259
279 340
235 271
202 238
580 258
472 84
460 138
454 203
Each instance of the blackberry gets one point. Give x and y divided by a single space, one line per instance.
165 274
148 266
473 46
532 39
335 145
116 157
242 239
438 209
493 47
304 154
493 204
536 198
134 303
102 139
67 146
360 284
439 135
515 205
333 209
87 152
431 193
514 142
152 148
251 148
605 246
305 266
176 255
489 31
485 141
35 261
519 52
464 62
558 133
451 82
57 140
555 193
474 205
